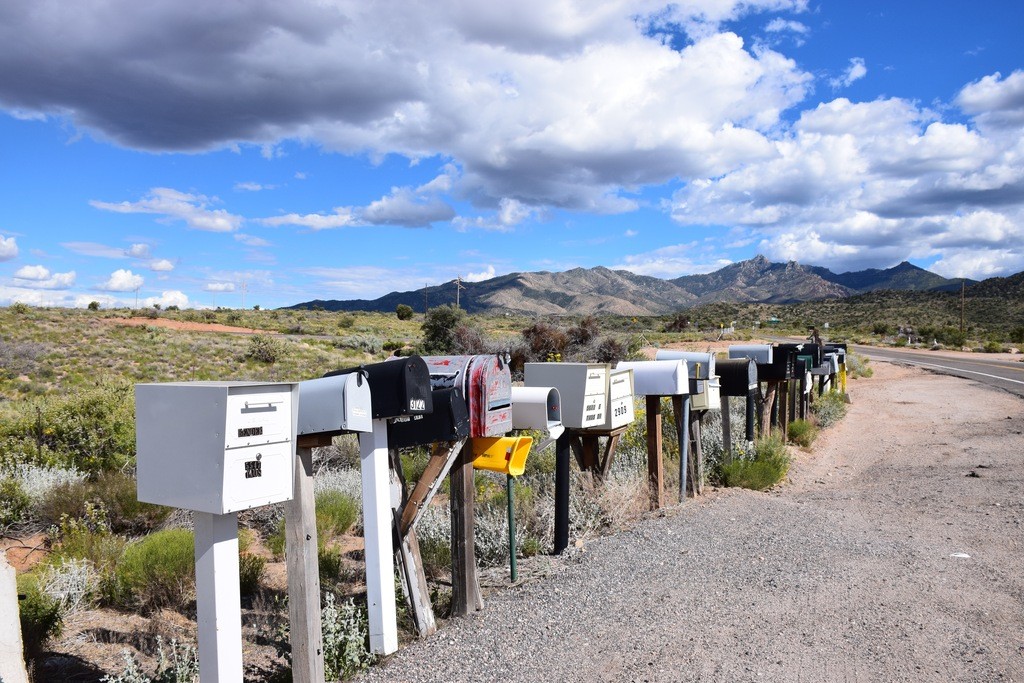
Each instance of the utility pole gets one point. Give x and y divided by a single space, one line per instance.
243 295
425 308
963 285
458 289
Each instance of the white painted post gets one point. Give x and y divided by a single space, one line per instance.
377 521
218 600
12 665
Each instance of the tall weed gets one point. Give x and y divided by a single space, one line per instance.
767 466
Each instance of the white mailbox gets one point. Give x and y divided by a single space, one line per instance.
620 399
658 377
215 447
537 408
581 386
334 405
759 353
700 365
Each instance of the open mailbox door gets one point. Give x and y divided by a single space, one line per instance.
538 408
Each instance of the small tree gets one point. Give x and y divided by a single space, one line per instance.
403 311
94 305
439 329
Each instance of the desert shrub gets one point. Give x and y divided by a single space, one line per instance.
38 480
361 342
19 307
404 311
40 615
434 535
158 571
346 634
439 329
1017 335
89 538
64 500
250 572
858 366
19 358
126 514
828 409
468 339
585 331
179 664
92 430
545 342
610 350
336 512
14 502
951 336
265 349
767 466
880 328
992 346
73 583
329 562
802 433
679 323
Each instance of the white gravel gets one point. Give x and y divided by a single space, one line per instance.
854 570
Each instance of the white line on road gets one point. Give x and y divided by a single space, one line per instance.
946 367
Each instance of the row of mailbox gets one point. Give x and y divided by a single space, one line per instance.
220 447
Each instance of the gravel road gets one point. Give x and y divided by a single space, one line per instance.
893 553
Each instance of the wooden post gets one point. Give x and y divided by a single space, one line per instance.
304 574
562 457
655 464
783 400
681 409
769 402
726 431
377 536
588 457
410 564
466 596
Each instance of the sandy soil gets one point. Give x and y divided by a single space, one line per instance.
182 325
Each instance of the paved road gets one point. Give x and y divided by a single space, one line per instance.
1004 374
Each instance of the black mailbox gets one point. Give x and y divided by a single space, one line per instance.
738 376
805 349
781 368
397 387
448 422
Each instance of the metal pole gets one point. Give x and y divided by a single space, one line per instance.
684 448
562 456
510 494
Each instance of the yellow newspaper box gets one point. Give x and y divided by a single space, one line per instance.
504 454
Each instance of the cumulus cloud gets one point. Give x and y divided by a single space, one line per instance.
161 265
138 251
672 261
219 286
854 72
858 185
510 213
403 206
171 297
996 103
172 205
122 281
39 277
8 248
485 274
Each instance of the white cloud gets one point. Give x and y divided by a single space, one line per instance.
510 214
39 277
341 218
219 286
364 282
779 25
171 205
171 297
138 251
252 187
854 72
93 249
161 265
672 262
122 281
630 233
251 240
8 248
485 274
404 206
996 103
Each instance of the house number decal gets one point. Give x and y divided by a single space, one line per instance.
254 468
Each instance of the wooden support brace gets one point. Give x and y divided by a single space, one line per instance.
442 457
655 463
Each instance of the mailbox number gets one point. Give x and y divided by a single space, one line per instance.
417 404
244 432
253 468
620 410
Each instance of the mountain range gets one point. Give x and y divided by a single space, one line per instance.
601 290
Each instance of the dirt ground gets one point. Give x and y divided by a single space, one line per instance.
892 553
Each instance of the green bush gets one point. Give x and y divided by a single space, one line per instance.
1017 334
265 349
802 433
404 311
992 346
858 366
88 538
828 409
336 512
158 571
40 615
14 502
250 572
127 515
439 329
345 637
767 467
329 561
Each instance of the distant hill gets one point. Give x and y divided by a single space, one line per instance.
601 290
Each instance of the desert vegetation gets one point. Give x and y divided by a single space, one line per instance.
98 562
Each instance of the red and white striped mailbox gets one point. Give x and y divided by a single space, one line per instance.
486 385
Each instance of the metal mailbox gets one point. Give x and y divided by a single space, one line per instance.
737 376
620 399
780 369
397 387
759 353
329 406
486 384
700 365
215 447
658 377
803 349
581 386
448 422
537 408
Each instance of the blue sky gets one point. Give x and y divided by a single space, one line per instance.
275 152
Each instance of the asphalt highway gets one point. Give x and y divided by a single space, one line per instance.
1004 374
